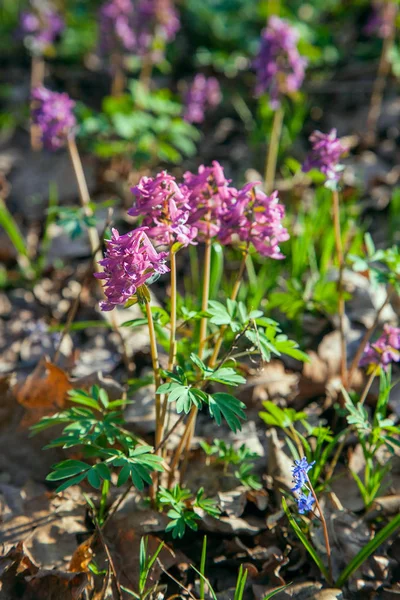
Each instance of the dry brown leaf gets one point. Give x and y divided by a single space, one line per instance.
43 391
82 557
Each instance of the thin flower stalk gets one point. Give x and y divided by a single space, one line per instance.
84 196
273 149
324 530
156 370
388 33
341 302
234 295
368 386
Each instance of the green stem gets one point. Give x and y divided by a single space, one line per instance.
103 501
272 155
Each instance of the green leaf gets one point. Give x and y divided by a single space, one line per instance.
276 591
226 375
369 549
226 405
80 397
307 545
73 481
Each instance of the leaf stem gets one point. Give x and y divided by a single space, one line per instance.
272 155
368 386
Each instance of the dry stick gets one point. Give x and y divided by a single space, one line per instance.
339 254
325 531
379 86
110 560
366 338
272 155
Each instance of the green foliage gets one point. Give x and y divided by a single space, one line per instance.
181 508
142 125
372 436
240 457
382 266
96 425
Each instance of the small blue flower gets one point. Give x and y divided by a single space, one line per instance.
305 503
300 471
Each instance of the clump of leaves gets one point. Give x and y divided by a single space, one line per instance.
96 424
241 458
182 505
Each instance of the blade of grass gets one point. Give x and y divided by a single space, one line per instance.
365 552
274 592
307 545
203 566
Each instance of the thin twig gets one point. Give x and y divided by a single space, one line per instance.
109 557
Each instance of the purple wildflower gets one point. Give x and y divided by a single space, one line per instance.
305 503
300 470
116 26
40 27
382 20
130 261
279 67
326 152
52 112
254 218
208 191
203 93
385 350
165 208
131 27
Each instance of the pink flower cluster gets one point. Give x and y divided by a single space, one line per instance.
203 93
385 350
205 206
131 26
279 67
130 262
327 149
383 19
52 112
165 209
40 27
